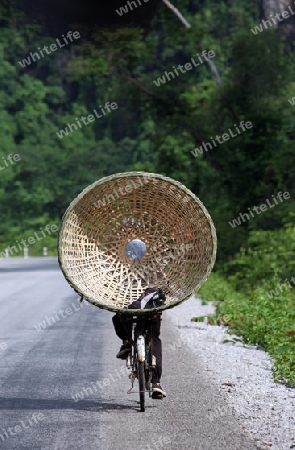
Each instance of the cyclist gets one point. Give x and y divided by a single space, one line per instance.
151 298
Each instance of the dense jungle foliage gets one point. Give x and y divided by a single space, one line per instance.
156 129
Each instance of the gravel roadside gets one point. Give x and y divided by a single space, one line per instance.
265 410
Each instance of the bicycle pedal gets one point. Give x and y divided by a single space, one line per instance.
130 391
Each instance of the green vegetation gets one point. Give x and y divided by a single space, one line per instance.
156 129
255 297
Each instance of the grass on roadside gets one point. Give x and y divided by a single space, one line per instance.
268 323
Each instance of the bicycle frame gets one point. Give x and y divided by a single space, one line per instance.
141 361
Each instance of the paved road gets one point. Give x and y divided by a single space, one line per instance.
72 356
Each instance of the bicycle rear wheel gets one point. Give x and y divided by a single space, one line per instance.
141 379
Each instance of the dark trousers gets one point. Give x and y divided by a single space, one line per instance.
123 328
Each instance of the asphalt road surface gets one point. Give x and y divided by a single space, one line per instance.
61 386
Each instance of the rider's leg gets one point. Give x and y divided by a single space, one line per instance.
158 392
123 330
157 350
120 328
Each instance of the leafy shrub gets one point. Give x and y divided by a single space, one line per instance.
268 256
262 321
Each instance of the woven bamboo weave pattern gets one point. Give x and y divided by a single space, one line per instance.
173 223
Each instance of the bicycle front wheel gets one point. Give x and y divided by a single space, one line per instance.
141 379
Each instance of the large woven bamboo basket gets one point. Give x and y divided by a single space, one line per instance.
169 219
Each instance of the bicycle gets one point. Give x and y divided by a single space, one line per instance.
141 360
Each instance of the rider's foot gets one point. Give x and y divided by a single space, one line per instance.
157 391
124 351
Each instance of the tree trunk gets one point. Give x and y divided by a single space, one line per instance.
286 25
